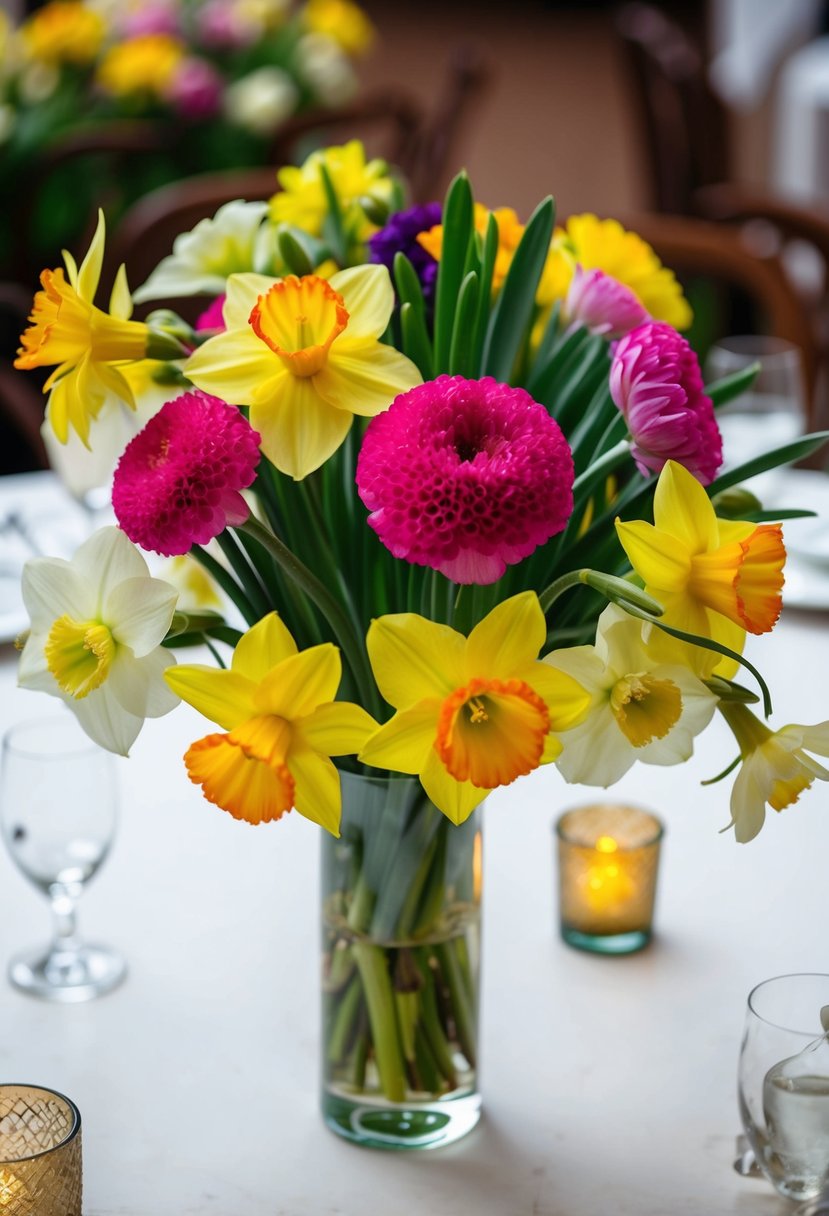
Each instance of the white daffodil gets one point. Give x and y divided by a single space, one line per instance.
641 708
776 768
261 101
97 623
232 242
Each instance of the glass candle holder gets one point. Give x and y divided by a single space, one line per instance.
40 1153
608 857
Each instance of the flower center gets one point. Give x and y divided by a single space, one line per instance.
299 319
645 708
786 792
79 655
743 580
492 731
245 771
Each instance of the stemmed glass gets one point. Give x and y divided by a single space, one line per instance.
58 802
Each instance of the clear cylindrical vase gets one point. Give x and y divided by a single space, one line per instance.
401 893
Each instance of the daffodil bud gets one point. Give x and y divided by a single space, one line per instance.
735 503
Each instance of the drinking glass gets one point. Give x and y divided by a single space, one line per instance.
773 411
58 802
784 1082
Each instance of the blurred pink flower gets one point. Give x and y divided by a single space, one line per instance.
602 304
222 26
655 381
196 89
213 316
154 18
177 483
465 476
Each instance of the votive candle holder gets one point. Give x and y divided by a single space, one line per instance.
40 1153
608 859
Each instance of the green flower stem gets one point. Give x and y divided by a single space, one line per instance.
408 1005
351 644
371 961
227 583
245 572
359 1059
617 590
430 1021
461 1005
362 906
600 469
348 1007
425 1063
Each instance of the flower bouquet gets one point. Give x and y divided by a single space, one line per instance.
215 80
458 480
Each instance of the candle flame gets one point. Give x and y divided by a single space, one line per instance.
11 1188
606 844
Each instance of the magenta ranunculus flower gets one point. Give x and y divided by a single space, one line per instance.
602 304
655 381
465 476
178 481
196 89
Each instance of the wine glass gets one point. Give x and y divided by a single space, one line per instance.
773 410
58 802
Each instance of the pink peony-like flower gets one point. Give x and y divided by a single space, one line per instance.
602 304
196 89
655 381
213 316
465 476
177 483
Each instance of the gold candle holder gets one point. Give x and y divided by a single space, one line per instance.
40 1153
608 857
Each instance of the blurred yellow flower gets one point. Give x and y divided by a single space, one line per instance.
345 23
302 200
65 31
145 64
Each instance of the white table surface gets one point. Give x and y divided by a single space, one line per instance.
609 1084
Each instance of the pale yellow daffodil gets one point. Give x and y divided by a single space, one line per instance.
97 624
282 725
715 578
64 31
472 713
776 767
303 200
641 707
304 354
86 343
342 21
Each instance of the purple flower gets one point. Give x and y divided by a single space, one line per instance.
400 236
655 381
195 89
602 304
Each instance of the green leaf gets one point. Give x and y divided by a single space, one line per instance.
333 226
409 290
542 379
787 454
762 517
457 233
460 353
730 387
292 253
416 345
515 305
488 256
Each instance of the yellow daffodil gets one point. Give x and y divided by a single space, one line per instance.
282 725
641 708
510 231
472 713
97 624
303 201
714 577
305 355
605 245
86 343
64 31
341 21
145 64
775 770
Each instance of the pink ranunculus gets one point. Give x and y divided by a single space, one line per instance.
222 26
153 18
213 316
178 482
465 476
655 381
602 304
196 89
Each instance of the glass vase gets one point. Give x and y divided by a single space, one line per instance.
401 892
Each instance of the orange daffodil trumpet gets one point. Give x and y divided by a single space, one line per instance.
715 578
276 706
472 713
305 355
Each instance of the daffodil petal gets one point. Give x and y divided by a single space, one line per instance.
233 366
682 508
510 636
139 612
225 697
583 665
365 379
89 273
105 720
813 738
299 429
120 301
300 683
318 795
33 671
241 293
138 684
404 743
368 296
595 752
413 658
655 555
107 559
264 645
748 805
566 699
336 729
51 587
456 799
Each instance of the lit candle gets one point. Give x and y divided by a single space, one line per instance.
14 1195
608 858
40 1153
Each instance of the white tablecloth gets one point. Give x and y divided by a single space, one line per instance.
609 1084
